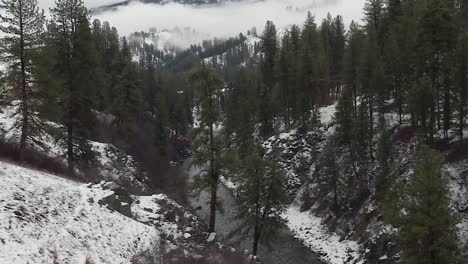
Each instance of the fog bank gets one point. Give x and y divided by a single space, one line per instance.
224 20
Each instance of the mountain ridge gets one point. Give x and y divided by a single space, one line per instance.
114 6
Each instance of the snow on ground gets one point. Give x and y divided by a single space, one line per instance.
457 174
327 114
148 209
47 219
228 183
220 60
113 164
327 117
310 230
251 42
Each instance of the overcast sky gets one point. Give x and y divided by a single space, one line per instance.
226 20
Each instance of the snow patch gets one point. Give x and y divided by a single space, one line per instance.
46 218
310 230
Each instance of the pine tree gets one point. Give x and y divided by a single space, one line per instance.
285 70
428 232
461 79
74 64
127 92
330 179
207 144
309 94
344 118
267 108
22 23
385 161
101 75
353 61
371 81
374 14
338 51
161 122
437 36
262 192
421 99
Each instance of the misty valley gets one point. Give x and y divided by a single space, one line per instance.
234 131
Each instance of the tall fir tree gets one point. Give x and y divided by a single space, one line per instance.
429 233
23 25
208 144
267 107
127 92
353 60
461 80
262 192
75 61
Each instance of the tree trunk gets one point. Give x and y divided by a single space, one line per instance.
355 98
257 230
70 158
371 126
462 102
24 92
465 14
256 237
213 173
462 116
400 102
214 193
447 115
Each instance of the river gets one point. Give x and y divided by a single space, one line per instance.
284 249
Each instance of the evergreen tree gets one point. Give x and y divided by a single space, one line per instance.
420 103
374 15
437 39
285 70
75 61
353 61
428 232
344 118
262 192
161 122
330 179
338 48
22 23
309 94
207 144
266 107
127 97
461 79
385 161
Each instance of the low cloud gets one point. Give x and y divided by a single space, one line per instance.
226 20
46 4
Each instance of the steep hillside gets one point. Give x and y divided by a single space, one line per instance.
359 229
111 163
49 219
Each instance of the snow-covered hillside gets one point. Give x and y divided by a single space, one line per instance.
47 219
252 46
346 239
111 163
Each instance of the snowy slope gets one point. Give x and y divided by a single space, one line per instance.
314 234
251 42
112 163
47 219
375 238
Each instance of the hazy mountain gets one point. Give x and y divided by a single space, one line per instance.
187 2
